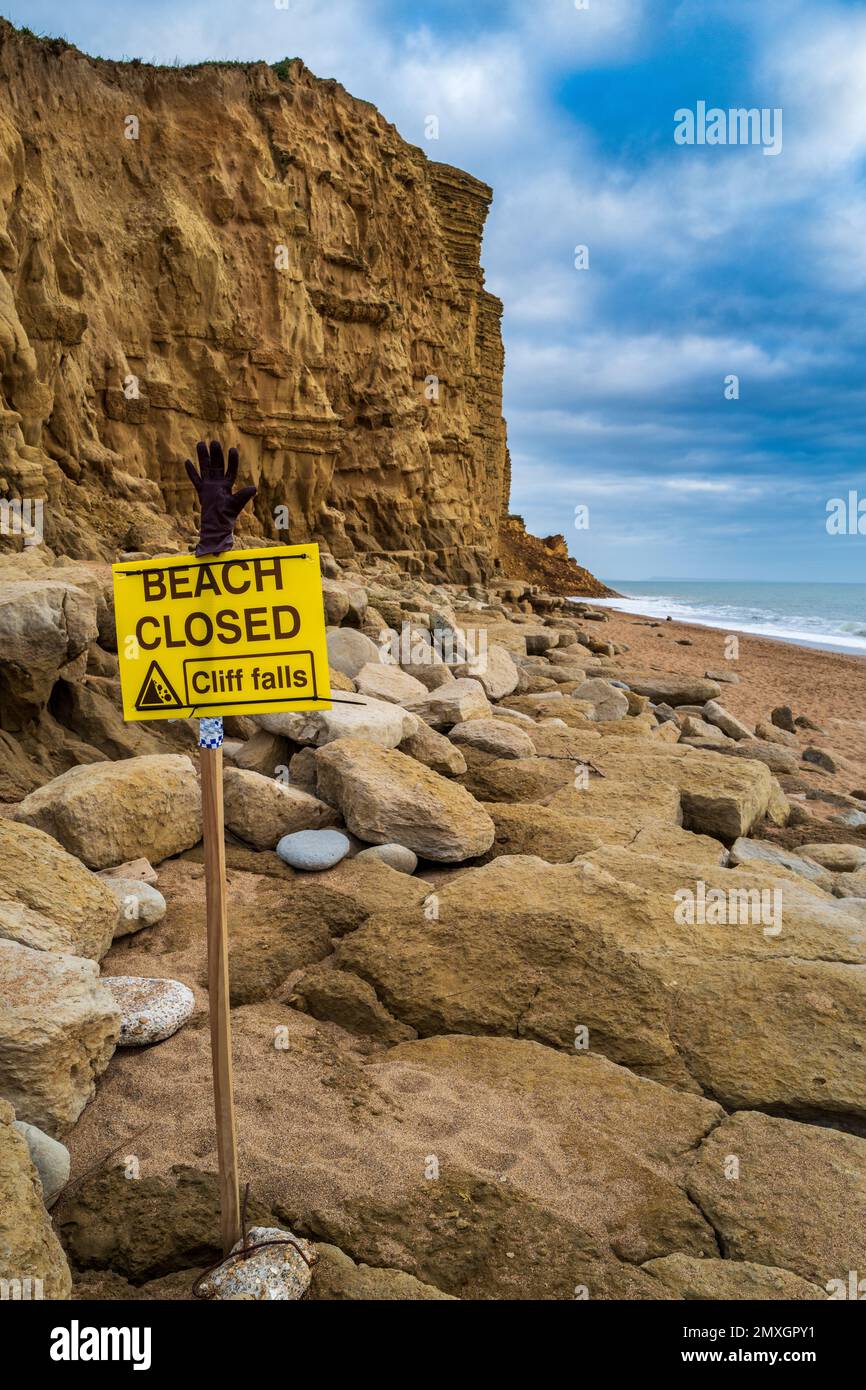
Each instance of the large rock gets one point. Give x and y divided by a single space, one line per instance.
350 651
777 759
261 810
58 1029
29 1249
495 672
275 926
723 797
387 796
728 723
352 716
607 701
556 836
337 601
494 736
512 945
452 703
738 903
265 753
746 851
672 690
88 710
693 727
433 750
839 859
46 627
339 1278
386 682
808 1016
108 812
696 1280
511 948
540 641
774 1212
147 1227
48 899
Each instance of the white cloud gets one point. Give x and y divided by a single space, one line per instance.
617 365
607 31
817 64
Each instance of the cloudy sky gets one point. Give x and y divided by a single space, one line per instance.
705 261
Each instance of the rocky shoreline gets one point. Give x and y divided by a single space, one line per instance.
547 949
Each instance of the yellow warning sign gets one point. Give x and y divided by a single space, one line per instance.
237 633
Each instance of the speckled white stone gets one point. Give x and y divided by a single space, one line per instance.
151 1009
274 1272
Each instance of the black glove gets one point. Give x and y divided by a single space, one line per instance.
220 507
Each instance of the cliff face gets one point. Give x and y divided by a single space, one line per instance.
268 262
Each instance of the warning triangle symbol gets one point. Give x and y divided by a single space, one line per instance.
157 692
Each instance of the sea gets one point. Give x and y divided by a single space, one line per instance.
829 616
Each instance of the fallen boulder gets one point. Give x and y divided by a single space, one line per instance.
261 810
697 1280
494 736
452 703
107 812
386 682
46 627
839 859
139 905
385 796
746 851
716 714
607 701
353 716
59 1027
48 899
776 1214
350 650
672 690
433 750
495 672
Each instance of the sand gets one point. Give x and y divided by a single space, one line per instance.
828 687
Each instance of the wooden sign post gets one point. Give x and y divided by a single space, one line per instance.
213 825
242 632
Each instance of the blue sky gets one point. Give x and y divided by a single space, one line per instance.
704 261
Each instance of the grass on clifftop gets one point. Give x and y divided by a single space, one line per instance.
59 44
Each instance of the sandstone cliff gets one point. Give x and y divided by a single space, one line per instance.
248 251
